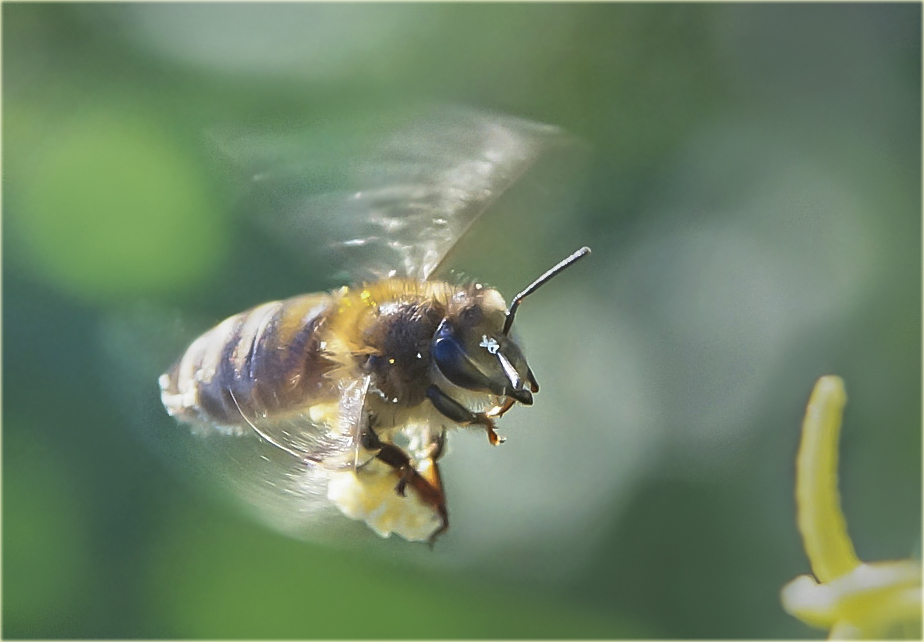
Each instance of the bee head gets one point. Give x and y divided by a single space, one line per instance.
472 346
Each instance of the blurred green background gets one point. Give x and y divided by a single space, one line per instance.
752 195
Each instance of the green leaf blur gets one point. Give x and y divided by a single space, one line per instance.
110 205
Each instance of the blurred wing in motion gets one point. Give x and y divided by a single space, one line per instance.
263 371
400 208
273 484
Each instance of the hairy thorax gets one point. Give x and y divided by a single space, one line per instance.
389 326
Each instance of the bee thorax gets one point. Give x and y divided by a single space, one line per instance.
400 338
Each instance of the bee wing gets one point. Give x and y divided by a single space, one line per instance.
286 487
401 207
326 434
282 490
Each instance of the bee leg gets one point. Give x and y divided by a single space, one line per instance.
436 448
401 486
398 459
430 492
444 524
435 451
405 473
437 499
458 413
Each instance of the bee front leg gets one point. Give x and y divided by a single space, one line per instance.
458 413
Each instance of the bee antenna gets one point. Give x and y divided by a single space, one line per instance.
532 287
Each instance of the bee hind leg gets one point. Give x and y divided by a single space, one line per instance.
430 493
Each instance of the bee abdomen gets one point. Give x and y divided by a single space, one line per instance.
266 360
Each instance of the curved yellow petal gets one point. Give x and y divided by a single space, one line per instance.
872 601
819 517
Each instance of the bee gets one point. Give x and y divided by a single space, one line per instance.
357 387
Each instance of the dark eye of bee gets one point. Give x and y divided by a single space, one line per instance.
452 360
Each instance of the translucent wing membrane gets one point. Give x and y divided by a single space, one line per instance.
279 486
277 489
324 434
320 434
263 372
403 205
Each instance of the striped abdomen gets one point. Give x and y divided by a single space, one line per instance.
264 361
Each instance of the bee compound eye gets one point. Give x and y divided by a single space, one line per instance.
455 365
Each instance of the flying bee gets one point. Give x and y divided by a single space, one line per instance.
358 386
